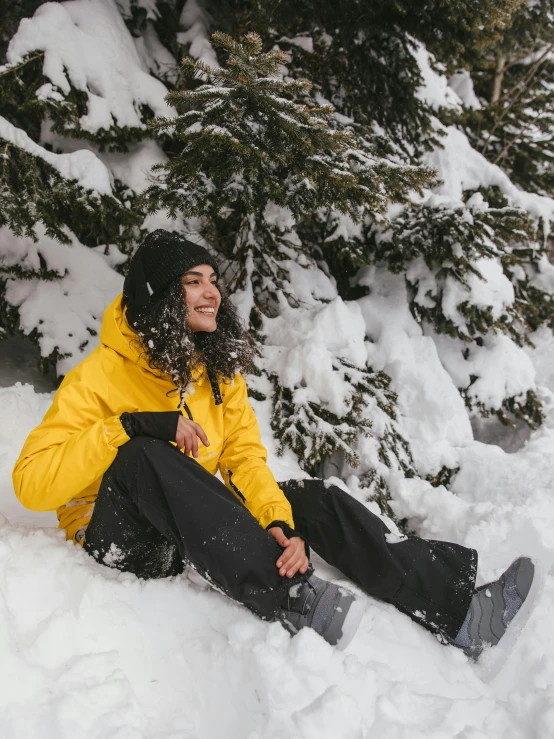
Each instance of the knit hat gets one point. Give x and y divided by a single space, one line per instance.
162 258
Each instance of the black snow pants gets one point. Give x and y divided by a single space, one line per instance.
158 510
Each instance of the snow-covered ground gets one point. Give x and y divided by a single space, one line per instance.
87 651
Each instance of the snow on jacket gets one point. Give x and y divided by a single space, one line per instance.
63 460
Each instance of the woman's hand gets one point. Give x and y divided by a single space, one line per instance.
294 558
187 435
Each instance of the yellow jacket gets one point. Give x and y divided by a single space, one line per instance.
63 460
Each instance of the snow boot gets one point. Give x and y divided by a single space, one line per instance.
334 612
503 603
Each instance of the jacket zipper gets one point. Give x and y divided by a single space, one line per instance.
231 483
235 488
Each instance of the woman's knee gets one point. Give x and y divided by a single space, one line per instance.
304 496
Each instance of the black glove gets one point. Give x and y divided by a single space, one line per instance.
161 425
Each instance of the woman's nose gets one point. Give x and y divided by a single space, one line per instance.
210 291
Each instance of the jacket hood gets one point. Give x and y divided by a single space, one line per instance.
116 334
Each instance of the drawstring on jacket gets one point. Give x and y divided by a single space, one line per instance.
216 393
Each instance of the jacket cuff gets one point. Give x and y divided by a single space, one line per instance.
158 425
115 432
275 512
289 532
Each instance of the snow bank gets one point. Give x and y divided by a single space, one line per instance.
98 653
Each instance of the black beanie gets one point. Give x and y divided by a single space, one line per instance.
162 258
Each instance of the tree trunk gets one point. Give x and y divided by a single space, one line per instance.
498 78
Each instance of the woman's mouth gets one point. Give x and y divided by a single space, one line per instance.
208 310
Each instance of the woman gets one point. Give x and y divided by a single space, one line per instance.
168 370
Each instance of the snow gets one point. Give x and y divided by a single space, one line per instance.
461 167
496 370
434 417
303 42
80 165
331 330
155 56
67 312
94 52
503 370
132 168
490 288
279 216
148 5
462 84
434 89
193 20
88 650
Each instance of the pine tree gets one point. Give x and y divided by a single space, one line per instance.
258 160
443 250
513 126
298 199
55 172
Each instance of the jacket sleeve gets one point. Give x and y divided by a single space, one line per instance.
74 445
243 461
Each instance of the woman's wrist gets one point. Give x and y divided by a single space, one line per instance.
158 425
289 532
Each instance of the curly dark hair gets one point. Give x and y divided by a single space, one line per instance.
170 346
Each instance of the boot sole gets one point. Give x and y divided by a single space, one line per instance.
493 659
351 623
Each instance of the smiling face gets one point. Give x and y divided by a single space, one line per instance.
202 297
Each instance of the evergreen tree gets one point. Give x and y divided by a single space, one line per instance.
446 253
513 124
254 166
297 197
362 60
360 55
59 140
